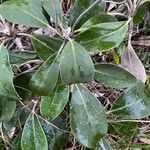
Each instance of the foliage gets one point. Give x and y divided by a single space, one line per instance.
34 101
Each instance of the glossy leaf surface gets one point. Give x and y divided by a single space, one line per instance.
88 119
33 136
113 76
22 57
101 18
81 6
7 91
45 46
103 36
26 12
44 80
75 64
56 138
53 104
133 103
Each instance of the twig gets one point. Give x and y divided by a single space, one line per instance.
130 120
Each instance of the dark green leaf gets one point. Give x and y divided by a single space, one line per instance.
53 104
56 138
7 108
23 93
16 144
21 83
75 64
101 18
2 146
45 46
7 126
141 13
134 103
103 36
88 119
79 7
25 12
124 130
113 76
7 90
44 80
22 80
22 57
33 136
53 8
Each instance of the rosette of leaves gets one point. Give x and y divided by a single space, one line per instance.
67 65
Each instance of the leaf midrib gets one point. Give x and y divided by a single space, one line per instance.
86 110
88 41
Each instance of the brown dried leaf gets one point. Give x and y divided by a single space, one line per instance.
132 63
144 140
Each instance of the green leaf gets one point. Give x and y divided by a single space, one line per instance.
22 80
2 146
79 7
101 18
46 46
23 93
133 103
75 64
53 8
103 36
33 136
16 144
14 122
22 57
56 137
88 119
44 80
141 13
21 83
25 12
7 90
113 76
53 104
124 130
7 109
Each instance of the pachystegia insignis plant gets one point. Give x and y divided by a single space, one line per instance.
64 66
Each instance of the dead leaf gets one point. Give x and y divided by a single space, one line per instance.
144 140
132 63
